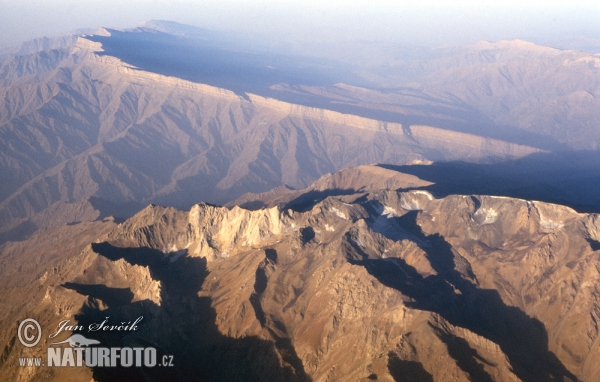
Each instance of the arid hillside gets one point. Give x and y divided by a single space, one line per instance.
488 287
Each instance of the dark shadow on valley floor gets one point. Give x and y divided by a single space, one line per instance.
571 179
407 371
305 202
213 62
214 59
459 301
182 324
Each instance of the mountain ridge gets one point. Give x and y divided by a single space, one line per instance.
374 270
116 108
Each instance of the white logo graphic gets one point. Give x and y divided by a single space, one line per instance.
24 328
81 351
77 341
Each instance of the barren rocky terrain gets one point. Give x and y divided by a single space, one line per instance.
383 284
426 217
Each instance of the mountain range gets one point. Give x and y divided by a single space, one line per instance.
81 132
385 285
390 214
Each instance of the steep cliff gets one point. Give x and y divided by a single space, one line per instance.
389 285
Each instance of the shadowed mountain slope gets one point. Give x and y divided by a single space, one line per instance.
510 90
85 136
488 287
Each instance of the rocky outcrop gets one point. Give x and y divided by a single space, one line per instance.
388 285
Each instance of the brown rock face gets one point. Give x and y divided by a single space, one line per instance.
389 285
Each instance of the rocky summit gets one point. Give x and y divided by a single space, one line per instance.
371 285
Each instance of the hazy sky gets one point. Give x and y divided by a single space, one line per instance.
416 22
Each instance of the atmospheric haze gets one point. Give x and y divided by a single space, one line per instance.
427 23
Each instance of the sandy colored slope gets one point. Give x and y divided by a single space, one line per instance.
389 284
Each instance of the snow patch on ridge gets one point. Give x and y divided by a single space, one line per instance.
545 222
411 201
338 213
485 216
389 211
176 255
410 205
427 194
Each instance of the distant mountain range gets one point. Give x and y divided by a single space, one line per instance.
84 134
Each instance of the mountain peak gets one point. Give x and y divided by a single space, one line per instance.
174 28
517 44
